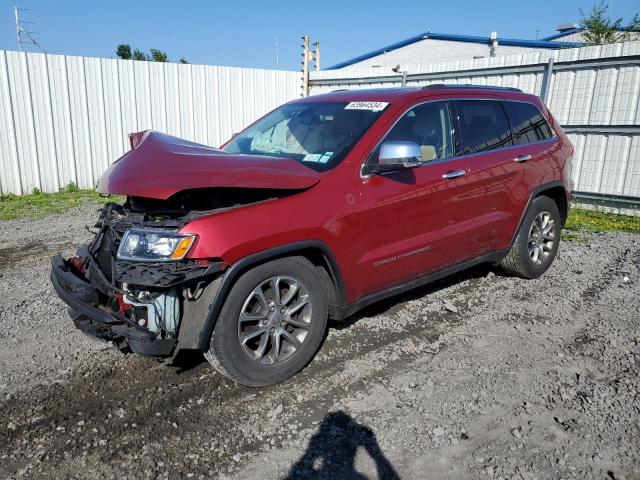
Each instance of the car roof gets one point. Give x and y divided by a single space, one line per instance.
409 93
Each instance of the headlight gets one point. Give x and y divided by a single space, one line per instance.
154 245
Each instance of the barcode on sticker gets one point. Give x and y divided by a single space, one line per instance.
373 106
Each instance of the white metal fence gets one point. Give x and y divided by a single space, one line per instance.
592 91
65 119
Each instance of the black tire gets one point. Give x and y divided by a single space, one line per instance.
518 261
226 353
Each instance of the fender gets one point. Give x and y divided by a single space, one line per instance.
232 274
536 192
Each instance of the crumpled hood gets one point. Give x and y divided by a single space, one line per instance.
160 165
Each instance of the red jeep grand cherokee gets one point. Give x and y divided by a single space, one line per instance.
323 206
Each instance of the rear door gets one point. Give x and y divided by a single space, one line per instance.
534 146
494 178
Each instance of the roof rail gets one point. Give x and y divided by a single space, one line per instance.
469 85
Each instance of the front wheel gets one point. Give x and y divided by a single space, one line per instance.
271 324
537 240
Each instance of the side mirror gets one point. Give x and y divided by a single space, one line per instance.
397 156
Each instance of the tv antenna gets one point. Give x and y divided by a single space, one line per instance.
20 31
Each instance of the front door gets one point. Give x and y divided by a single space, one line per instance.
419 220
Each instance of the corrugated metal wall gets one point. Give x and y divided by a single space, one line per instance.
65 119
593 92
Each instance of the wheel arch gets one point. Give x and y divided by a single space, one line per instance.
556 191
558 194
316 251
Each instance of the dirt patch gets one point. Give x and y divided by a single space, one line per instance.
31 251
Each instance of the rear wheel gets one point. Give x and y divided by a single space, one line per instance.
537 240
271 324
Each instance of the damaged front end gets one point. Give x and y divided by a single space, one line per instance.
129 286
135 284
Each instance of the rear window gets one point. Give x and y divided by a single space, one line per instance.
527 123
484 125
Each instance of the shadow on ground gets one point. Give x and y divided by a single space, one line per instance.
332 451
395 302
187 360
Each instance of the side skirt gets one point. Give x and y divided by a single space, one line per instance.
340 312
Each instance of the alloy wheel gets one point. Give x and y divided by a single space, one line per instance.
274 320
542 236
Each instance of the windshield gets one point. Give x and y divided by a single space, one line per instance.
317 134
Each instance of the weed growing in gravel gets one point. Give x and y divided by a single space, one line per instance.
39 204
569 236
581 220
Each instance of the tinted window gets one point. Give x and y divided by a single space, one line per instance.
484 125
428 125
527 123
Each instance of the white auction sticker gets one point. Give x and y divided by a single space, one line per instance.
373 106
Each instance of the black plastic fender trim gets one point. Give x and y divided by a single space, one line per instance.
232 274
344 311
536 192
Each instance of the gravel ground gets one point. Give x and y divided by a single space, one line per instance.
476 376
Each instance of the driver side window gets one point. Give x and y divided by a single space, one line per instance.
428 125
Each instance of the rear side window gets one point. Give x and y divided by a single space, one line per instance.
527 123
484 125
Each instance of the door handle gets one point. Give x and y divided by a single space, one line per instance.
523 158
453 174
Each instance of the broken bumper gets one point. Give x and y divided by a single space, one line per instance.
98 323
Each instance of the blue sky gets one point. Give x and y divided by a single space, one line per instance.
242 33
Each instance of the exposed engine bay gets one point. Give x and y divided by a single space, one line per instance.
142 302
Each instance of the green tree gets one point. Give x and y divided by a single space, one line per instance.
158 56
123 51
139 55
600 28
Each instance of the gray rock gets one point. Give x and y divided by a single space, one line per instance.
449 306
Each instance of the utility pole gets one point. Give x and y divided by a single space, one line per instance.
17 15
316 55
305 66
308 56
